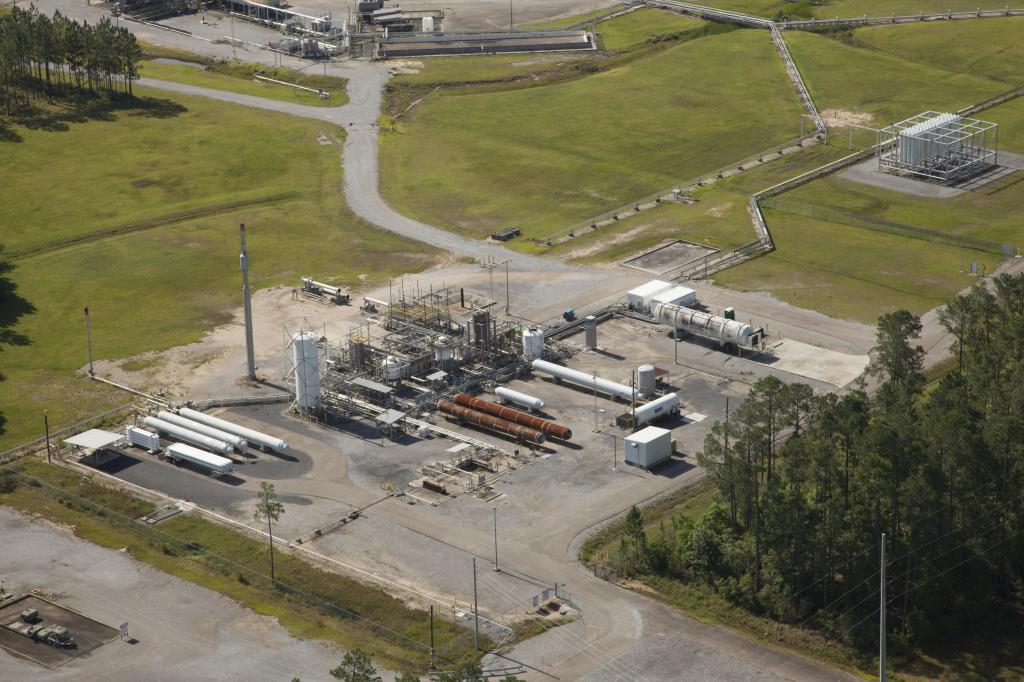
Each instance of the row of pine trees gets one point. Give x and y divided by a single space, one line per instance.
42 57
808 483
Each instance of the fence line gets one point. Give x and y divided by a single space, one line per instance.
19 451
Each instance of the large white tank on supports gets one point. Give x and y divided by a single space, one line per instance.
665 406
444 349
533 344
392 368
188 436
707 325
507 395
252 435
307 370
646 381
584 379
204 429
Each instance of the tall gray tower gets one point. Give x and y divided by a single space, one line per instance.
250 357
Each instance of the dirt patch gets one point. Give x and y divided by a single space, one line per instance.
405 66
843 117
720 210
602 244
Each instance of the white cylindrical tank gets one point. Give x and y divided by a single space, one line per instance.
646 381
444 349
204 429
215 464
251 435
507 395
392 367
307 370
188 436
533 344
656 409
584 379
706 324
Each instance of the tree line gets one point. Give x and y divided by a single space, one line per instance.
807 484
42 56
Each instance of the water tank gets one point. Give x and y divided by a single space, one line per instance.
664 406
646 382
533 344
392 368
306 356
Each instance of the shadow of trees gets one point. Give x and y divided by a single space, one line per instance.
13 307
58 116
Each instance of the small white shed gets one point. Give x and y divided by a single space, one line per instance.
647 448
676 295
639 299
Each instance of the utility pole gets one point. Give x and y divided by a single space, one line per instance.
506 288
46 425
495 510
250 356
88 341
431 664
881 619
476 612
511 24
234 54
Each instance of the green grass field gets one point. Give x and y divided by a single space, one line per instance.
643 25
546 157
889 88
142 167
719 218
243 82
852 8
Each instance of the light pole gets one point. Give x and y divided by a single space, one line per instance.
495 510
46 425
88 341
506 288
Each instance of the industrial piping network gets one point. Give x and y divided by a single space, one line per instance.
491 422
188 436
548 427
204 429
251 435
583 379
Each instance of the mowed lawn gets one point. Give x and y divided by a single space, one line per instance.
640 26
544 158
862 80
168 285
852 8
240 78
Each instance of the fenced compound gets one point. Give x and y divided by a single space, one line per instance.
944 148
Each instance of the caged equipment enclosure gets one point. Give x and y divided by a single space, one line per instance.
943 148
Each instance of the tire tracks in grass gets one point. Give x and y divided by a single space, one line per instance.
153 223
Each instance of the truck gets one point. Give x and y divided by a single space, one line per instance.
215 464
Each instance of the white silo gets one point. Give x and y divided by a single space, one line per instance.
646 381
307 370
533 344
444 349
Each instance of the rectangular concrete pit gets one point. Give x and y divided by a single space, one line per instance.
89 634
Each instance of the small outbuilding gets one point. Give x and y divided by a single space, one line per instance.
647 448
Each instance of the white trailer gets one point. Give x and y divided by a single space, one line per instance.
253 436
215 464
184 434
143 438
192 425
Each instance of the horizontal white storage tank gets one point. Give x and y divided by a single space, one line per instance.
253 436
708 325
648 447
638 299
676 295
665 406
143 438
179 452
507 395
188 436
204 429
583 379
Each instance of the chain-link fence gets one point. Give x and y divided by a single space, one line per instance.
834 215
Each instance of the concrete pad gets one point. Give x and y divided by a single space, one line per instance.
812 362
867 173
669 256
